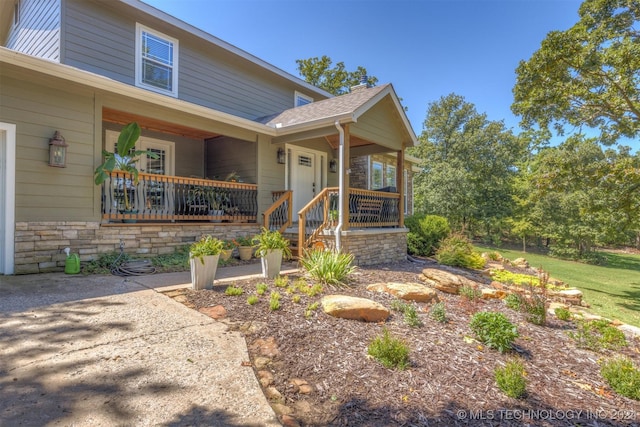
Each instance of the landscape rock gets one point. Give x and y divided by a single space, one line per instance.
520 263
488 293
354 308
265 378
568 296
261 362
445 281
554 304
266 347
632 331
216 312
406 291
289 421
281 409
273 394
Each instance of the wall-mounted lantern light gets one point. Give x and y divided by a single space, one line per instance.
333 166
281 156
58 151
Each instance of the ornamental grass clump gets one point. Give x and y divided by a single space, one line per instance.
393 353
511 379
494 330
328 267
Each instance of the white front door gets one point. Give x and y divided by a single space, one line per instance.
307 177
7 196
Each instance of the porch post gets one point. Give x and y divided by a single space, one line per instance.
400 183
346 170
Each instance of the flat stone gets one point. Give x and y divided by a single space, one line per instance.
630 330
406 291
347 307
265 347
289 421
445 281
281 409
488 293
216 312
261 362
273 394
265 378
520 262
569 296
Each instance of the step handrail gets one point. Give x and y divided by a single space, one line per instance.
285 197
322 197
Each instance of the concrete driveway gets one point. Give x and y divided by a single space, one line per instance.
107 350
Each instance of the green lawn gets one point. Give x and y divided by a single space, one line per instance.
613 290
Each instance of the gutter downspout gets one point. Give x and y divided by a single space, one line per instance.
340 185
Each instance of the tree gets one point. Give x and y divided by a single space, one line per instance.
467 165
335 80
588 75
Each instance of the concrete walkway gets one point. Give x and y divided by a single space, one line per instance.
108 350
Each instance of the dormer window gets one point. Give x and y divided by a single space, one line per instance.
301 99
156 61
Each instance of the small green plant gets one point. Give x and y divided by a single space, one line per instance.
274 301
253 299
281 281
328 267
268 240
494 330
457 251
506 276
310 309
393 353
105 262
262 288
438 312
511 380
563 314
409 311
598 335
513 301
622 377
233 291
296 299
310 290
176 261
470 293
243 240
206 246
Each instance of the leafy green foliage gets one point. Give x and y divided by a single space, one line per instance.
393 353
438 312
513 301
274 301
310 309
206 246
328 267
105 261
622 377
281 281
598 335
456 250
253 299
268 239
562 314
409 311
494 330
425 233
233 291
261 288
336 80
508 277
470 293
511 380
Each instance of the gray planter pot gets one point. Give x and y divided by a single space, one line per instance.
271 263
202 275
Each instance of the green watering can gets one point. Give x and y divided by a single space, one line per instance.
72 263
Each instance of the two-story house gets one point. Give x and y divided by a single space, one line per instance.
239 143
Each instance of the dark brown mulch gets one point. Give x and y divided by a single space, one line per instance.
451 378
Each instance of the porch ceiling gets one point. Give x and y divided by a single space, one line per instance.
120 117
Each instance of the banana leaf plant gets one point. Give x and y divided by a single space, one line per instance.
123 159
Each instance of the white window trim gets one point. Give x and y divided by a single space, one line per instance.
8 155
139 29
300 95
16 13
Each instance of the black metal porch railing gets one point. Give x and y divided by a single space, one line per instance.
172 198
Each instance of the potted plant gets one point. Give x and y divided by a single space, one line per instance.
227 249
271 246
203 259
124 159
245 247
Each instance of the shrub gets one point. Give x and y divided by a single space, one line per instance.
392 352
274 301
253 299
425 233
261 288
438 312
470 293
456 250
233 291
513 301
598 335
511 380
494 330
622 377
534 305
562 313
328 267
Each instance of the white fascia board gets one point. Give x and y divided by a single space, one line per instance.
106 84
325 121
163 16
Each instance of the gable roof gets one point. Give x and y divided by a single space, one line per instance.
344 109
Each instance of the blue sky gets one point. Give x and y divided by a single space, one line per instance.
425 48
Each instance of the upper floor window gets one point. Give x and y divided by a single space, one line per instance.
301 99
156 61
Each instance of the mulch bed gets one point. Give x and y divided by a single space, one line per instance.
451 378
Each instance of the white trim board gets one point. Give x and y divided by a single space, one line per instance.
8 193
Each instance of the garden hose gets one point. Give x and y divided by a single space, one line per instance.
131 268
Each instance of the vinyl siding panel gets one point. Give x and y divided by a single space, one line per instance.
226 155
44 193
380 126
38 30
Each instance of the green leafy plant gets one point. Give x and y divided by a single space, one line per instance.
563 314
310 309
598 335
268 240
253 299
281 281
534 304
328 267
494 330
470 293
513 301
176 261
622 377
206 246
228 244
296 299
508 277
123 159
438 312
511 379
425 233
409 311
393 353
233 291
274 301
456 250
243 240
